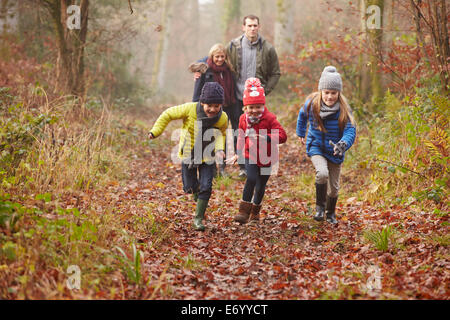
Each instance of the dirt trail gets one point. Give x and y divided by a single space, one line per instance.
287 255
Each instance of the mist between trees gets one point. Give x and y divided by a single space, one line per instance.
141 49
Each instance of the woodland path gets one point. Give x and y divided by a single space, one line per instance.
287 255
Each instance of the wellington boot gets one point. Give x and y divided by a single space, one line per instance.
200 214
331 210
244 212
242 174
321 195
222 172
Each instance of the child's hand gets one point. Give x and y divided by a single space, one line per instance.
339 148
302 140
232 160
258 136
151 136
220 155
197 75
253 135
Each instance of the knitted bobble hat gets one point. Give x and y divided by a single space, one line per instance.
212 93
254 92
252 82
330 79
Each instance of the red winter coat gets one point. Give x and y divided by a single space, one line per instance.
263 151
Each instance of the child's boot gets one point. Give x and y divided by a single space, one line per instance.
254 213
321 195
331 208
222 172
242 173
200 214
244 212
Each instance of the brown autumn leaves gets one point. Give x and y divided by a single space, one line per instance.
288 255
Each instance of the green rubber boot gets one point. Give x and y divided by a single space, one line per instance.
200 214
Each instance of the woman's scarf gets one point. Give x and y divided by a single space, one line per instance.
326 111
206 123
222 75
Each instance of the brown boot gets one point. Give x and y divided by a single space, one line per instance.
244 212
254 214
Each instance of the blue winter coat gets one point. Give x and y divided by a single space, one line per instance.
317 142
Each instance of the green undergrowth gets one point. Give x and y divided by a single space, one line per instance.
49 150
42 236
400 156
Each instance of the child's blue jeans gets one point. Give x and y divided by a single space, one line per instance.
201 184
255 186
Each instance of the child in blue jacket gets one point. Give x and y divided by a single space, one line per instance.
331 133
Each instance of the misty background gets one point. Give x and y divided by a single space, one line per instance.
148 51
137 52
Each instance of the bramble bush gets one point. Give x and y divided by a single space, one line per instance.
406 149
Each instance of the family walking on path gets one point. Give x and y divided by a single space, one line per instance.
232 84
247 56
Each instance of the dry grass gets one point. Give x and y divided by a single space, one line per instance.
77 149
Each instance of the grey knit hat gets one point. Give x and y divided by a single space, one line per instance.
330 79
212 92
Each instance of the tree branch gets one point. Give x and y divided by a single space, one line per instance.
131 8
394 164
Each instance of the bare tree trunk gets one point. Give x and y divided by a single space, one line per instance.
376 41
441 41
195 22
78 39
434 20
420 39
388 35
71 43
159 67
370 86
284 26
8 16
363 77
231 18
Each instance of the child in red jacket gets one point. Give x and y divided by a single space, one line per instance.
259 134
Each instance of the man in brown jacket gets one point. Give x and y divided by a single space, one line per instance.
253 57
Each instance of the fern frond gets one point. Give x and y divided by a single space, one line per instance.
432 148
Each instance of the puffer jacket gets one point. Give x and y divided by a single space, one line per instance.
267 65
250 148
318 142
188 113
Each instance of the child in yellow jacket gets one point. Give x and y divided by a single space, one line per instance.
202 139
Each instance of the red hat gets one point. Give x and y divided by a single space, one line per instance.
253 92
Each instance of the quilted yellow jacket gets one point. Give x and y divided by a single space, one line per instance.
188 113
